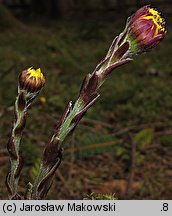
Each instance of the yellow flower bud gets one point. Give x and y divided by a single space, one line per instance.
31 80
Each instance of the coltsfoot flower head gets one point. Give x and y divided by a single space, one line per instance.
146 28
42 100
31 80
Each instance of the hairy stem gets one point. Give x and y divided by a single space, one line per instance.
117 55
13 145
46 171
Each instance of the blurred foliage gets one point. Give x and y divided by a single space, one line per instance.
140 159
35 169
30 152
7 20
166 140
90 143
97 196
143 138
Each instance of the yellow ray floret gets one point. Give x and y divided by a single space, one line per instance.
157 19
37 74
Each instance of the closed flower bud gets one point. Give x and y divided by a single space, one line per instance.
42 100
31 80
146 28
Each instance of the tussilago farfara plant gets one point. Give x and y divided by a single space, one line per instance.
144 30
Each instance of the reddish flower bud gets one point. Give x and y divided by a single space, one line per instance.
146 28
31 80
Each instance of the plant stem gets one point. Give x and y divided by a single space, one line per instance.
14 143
117 55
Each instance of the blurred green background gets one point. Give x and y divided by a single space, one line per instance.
124 143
